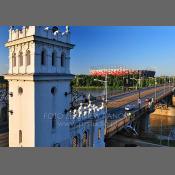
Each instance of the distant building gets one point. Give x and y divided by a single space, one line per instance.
120 71
39 79
147 73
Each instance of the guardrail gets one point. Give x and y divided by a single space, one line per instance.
4 139
118 124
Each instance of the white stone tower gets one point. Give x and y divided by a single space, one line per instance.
39 75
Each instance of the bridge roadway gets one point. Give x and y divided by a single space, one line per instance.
117 117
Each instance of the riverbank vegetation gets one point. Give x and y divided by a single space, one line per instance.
3 83
84 82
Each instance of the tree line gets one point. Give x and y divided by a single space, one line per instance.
129 81
3 83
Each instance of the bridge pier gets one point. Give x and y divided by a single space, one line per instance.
142 124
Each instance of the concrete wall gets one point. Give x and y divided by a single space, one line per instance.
100 124
47 105
23 117
91 127
142 124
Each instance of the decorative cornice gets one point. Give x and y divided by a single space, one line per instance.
39 77
41 40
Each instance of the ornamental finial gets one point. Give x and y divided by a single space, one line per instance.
11 27
67 29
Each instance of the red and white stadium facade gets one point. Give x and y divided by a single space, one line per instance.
120 72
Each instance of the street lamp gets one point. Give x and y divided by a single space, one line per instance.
155 81
155 88
106 94
106 89
139 80
164 85
169 83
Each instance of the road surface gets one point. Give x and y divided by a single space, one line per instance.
116 105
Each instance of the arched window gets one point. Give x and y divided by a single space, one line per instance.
20 90
43 57
20 136
28 58
62 59
53 90
54 122
53 59
99 133
85 139
20 59
14 59
75 141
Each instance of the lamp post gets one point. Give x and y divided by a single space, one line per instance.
139 82
155 83
106 89
169 84
123 84
155 88
106 94
164 85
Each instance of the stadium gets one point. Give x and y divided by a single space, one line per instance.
120 71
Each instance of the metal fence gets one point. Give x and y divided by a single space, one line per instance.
3 105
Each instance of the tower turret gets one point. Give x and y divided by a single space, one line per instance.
39 75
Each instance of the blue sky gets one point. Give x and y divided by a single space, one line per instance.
133 47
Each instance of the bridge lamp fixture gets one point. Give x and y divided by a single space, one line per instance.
170 83
106 94
139 80
106 89
155 87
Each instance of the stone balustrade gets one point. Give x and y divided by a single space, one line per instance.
87 112
52 33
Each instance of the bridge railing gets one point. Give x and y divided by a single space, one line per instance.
118 124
